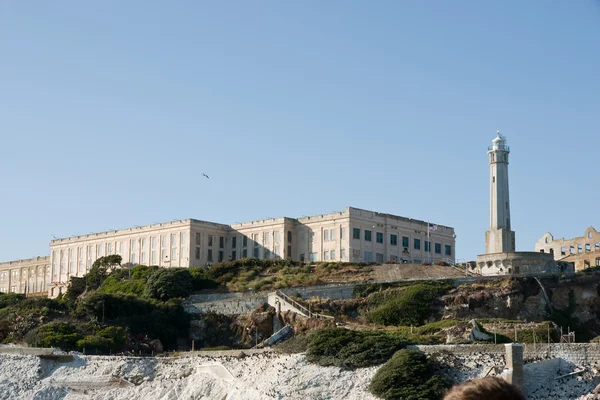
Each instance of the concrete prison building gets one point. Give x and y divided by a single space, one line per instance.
353 235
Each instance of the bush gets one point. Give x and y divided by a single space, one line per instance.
411 306
55 334
9 299
164 284
351 349
408 375
201 279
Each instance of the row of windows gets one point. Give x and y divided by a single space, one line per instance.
563 250
405 241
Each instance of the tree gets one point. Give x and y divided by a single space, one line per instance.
164 284
101 268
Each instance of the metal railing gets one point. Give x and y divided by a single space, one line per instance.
300 307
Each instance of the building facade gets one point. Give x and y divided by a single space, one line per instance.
582 251
352 235
30 276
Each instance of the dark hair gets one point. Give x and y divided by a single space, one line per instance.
491 388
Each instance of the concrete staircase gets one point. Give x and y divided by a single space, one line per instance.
282 302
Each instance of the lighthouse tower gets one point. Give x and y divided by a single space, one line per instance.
499 238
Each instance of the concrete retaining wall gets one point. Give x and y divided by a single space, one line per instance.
576 353
28 351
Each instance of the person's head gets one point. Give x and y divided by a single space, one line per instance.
491 388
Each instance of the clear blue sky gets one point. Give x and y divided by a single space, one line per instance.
110 111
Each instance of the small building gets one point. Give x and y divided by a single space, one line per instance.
582 251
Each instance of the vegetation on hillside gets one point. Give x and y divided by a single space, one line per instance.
408 375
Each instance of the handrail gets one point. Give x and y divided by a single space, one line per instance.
299 306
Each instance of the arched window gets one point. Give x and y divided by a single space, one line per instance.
547 239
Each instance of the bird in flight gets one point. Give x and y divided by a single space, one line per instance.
203 174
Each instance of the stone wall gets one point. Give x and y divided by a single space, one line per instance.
576 353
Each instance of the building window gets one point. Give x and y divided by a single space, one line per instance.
184 238
234 242
143 260
209 255
589 234
563 251
276 250
588 247
245 253
343 233
255 239
133 258
417 244
332 234
134 245
120 248
289 250
266 253
255 253
173 239
110 248
379 258
356 233
233 255
417 261
572 249
394 240
312 257
367 236
326 256
343 254
197 253
326 235
427 246
368 256
266 236
245 241
405 240
332 254
163 241
379 237
198 239
448 250
210 240
597 246
579 248
153 257
221 242
173 253
276 236
438 248
289 236
144 244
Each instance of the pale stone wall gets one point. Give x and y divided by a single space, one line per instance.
30 276
583 251
516 263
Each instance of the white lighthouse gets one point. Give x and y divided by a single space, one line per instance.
500 238
500 257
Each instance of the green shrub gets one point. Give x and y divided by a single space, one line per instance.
167 283
9 299
95 344
55 334
411 306
408 375
201 279
348 349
